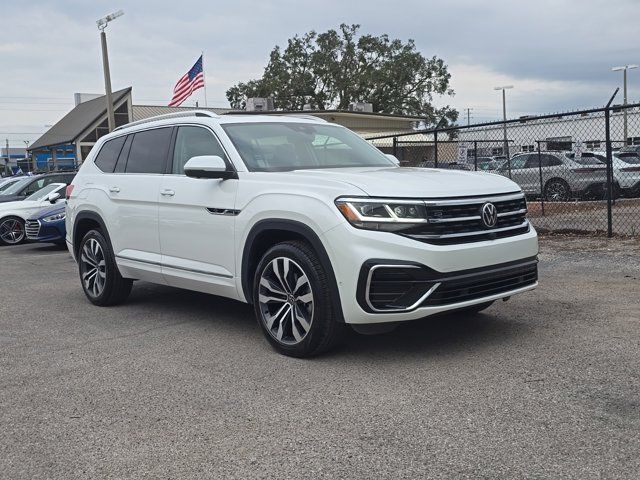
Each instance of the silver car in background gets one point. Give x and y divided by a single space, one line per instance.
626 170
557 176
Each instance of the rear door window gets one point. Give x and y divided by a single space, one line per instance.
148 153
108 155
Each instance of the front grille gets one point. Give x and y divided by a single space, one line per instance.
387 286
483 284
458 220
32 228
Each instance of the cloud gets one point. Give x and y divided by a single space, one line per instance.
557 53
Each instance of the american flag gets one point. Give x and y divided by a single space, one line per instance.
188 83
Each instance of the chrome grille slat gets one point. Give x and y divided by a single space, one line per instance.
459 220
32 228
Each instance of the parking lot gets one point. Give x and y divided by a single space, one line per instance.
175 384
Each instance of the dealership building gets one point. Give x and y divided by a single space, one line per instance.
70 140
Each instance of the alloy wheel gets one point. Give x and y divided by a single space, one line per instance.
286 301
94 270
12 231
557 192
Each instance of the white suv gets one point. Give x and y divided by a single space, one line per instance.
303 219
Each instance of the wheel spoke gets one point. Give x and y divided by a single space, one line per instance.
306 298
302 280
271 287
300 318
285 300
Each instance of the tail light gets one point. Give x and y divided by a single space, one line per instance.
68 192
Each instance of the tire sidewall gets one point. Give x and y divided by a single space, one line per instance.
322 311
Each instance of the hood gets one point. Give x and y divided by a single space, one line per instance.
416 182
47 211
20 205
10 198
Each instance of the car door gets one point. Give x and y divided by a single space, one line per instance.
518 172
197 219
132 188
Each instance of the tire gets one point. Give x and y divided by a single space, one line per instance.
99 275
557 190
292 301
12 231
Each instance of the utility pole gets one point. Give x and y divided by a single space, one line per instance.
505 149
6 160
624 69
102 24
468 115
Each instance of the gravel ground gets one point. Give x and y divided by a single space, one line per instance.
175 384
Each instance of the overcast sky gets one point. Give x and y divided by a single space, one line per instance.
557 53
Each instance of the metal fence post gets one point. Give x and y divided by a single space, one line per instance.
541 184
475 155
607 133
435 143
395 147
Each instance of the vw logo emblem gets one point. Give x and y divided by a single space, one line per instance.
489 215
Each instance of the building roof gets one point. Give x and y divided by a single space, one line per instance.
71 126
141 112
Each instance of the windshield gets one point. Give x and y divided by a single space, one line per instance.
631 158
273 147
43 192
7 183
15 187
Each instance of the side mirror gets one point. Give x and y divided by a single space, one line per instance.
393 158
208 166
53 197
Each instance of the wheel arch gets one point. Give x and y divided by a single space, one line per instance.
267 233
84 222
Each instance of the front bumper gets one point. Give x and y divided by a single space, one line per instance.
353 252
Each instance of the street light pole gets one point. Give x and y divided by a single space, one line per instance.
102 24
504 124
624 69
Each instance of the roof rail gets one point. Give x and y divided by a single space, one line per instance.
189 113
304 116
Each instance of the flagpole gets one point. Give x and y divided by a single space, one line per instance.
204 77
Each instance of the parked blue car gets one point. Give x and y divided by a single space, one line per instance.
47 225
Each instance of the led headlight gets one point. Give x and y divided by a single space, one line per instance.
388 215
54 218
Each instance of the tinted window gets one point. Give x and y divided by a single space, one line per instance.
108 155
124 153
517 162
192 142
36 185
533 161
148 152
550 161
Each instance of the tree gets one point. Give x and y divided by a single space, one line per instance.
335 68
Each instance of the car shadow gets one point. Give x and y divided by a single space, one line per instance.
448 333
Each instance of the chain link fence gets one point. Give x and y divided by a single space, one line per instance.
579 170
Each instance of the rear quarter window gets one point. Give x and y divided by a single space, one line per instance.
108 154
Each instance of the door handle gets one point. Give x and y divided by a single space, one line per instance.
114 189
167 193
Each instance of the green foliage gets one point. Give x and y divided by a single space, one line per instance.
333 69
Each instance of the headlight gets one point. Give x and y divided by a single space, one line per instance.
54 218
382 214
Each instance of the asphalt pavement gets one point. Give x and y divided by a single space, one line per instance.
176 384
